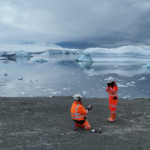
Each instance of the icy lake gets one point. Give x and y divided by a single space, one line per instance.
61 75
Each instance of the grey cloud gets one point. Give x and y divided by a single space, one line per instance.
94 22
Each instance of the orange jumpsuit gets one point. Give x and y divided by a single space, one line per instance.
113 97
78 114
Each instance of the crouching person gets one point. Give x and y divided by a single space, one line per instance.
78 113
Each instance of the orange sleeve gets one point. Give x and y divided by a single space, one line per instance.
113 90
107 89
82 110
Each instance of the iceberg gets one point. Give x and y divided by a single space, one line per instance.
84 58
124 53
56 51
23 54
148 65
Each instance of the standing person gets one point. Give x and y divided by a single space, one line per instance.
113 98
78 113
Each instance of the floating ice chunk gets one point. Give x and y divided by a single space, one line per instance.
20 78
40 60
84 57
23 54
66 88
43 90
56 92
84 92
38 87
132 82
131 85
91 69
22 93
30 95
119 85
78 81
128 83
100 89
3 58
143 78
50 90
90 75
124 97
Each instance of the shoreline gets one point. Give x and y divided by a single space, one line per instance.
41 123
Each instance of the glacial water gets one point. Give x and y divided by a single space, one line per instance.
62 76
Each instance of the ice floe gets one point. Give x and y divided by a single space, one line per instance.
67 88
119 85
22 93
84 92
143 78
20 78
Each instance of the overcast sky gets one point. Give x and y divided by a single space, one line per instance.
103 23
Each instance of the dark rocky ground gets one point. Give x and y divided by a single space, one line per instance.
45 124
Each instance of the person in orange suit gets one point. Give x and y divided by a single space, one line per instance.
112 90
78 113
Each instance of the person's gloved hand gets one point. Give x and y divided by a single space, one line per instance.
89 107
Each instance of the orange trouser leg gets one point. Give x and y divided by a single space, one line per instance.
85 125
113 106
109 106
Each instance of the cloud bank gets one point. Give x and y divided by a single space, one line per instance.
86 22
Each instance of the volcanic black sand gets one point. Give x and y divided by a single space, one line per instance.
41 123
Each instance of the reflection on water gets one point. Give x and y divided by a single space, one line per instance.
85 65
61 75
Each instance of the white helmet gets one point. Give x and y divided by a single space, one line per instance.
77 97
110 80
